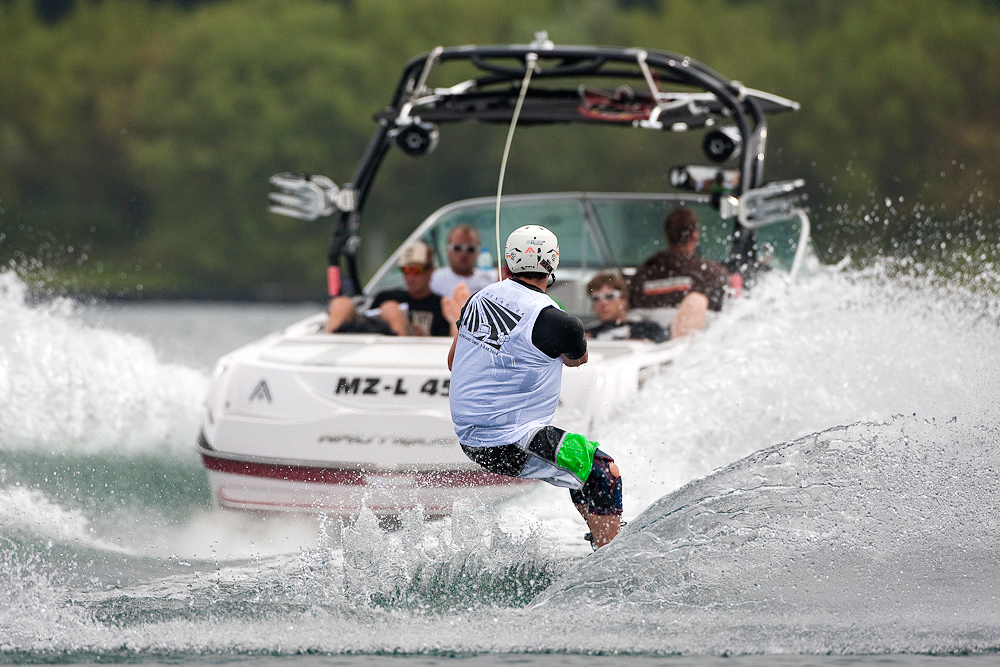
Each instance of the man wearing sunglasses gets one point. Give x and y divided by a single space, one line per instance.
414 311
462 249
609 294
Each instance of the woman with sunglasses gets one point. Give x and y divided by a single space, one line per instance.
609 294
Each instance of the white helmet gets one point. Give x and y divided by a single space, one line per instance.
532 249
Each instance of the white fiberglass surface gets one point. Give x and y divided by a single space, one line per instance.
388 352
369 351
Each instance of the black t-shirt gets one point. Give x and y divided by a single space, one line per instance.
628 330
557 333
425 313
667 277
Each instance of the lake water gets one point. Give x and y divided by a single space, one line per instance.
814 483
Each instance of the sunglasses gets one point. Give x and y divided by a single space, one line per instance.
466 247
413 270
606 296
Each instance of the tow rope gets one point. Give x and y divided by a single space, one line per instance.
530 65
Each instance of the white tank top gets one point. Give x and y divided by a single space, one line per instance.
502 386
444 280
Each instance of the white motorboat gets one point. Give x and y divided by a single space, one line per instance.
303 420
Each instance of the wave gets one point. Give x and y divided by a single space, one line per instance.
66 386
31 513
791 359
876 531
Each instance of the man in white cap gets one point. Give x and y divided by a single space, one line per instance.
414 311
506 361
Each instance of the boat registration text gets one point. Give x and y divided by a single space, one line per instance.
380 386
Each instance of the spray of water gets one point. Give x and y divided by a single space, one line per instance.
69 387
816 474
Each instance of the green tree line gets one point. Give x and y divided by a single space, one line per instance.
136 138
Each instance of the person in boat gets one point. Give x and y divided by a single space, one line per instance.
414 311
609 294
506 362
671 275
462 250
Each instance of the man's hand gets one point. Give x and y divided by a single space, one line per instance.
573 363
451 309
461 294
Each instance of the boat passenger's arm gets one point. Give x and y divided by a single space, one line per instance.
452 310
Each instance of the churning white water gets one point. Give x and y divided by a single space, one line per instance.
817 474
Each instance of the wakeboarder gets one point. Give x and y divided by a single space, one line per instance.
506 361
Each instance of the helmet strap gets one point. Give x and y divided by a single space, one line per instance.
551 281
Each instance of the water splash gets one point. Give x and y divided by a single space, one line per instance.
874 537
794 359
472 559
69 387
37 613
875 531
30 512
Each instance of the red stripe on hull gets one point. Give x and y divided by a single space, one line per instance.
342 477
347 509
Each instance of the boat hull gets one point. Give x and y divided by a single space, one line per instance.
270 486
304 421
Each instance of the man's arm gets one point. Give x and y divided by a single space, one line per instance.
559 334
451 352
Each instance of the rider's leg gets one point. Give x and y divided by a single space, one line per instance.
600 500
563 459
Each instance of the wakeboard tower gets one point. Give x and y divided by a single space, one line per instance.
303 420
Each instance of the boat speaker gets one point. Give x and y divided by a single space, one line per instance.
418 138
721 143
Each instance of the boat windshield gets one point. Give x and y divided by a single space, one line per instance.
596 232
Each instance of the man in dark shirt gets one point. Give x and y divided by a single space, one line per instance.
672 275
414 311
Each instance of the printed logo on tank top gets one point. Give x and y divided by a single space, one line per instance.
488 323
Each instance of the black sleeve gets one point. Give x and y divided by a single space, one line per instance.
557 333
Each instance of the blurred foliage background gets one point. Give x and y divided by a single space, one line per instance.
136 137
